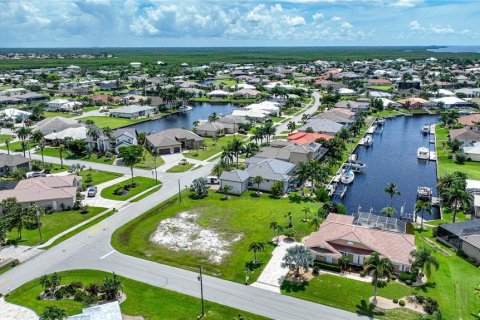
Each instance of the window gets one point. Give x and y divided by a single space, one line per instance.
329 260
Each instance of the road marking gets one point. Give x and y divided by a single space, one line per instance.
106 255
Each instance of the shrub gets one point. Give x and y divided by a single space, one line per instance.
328 266
76 284
108 155
404 276
61 293
460 157
322 195
88 178
84 209
362 274
80 296
461 253
395 300
340 208
430 306
119 191
401 303
316 270
393 277
289 233
408 282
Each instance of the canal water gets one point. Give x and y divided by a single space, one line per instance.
393 158
184 119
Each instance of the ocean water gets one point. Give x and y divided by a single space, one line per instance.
457 49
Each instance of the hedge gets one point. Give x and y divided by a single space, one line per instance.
327 266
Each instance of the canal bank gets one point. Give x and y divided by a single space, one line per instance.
392 158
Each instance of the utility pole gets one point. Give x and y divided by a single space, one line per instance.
179 190
39 226
200 278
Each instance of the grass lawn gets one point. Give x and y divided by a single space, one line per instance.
347 294
142 299
54 152
111 122
91 108
386 113
181 168
51 114
4 137
53 224
147 161
6 268
446 165
17 146
144 184
245 216
97 176
212 147
226 82
382 88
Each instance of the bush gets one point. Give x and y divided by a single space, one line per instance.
404 276
340 208
393 277
401 303
76 284
362 274
408 282
119 191
61 293
461 253
316 270
80 296
322 195
88 178
430 306
84 209
418 298
460 157
395 300
328 266
108 155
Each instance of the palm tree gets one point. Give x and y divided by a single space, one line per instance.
422 206
131 155
256 247
250 150
392 190
41 145
7 144
344 261
458 198
289 216
94 134
213 117
306 211
316 221
424 260
269 130
379 268
53 313
60 154
291 126
344 134
37 136
258 180
236 147
274 226
23 133
258 134
303 173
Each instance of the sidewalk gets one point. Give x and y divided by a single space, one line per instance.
10 311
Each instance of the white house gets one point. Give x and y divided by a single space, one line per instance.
218 94
267 107
451 102
346 92
63 105
132 111
472 152
135 64
236 179
14 114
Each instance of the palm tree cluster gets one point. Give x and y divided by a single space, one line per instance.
233 150
451 188
423 261
296 258
312 171
450 117
13 216
173 97
267 130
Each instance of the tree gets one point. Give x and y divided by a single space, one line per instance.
250 150
37 136
424 260
111 287
23 133
60 154
379 268
7 144
306 211
199 187
213 117
41 145
256 246
291 126
297 257
18 218
389 211
344 261
258 181
131 155
225 189
269 130
392 190
303 173
93 133
53 313
344 134
421 207
236 147
456 199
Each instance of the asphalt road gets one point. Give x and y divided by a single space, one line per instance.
91 249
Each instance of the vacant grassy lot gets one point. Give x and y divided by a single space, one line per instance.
97 177
446 165
55 152
246 218
53 224
181 168
144 183
111 122
212 147
142 299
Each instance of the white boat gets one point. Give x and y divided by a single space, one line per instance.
423 153
372 129
424 193
354 164
425 128
381 121
368 140
348 177
432 129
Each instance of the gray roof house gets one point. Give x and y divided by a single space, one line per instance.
124 137
462 235
56 124
173 141
236 179
322 126
336 117
10 163
132 111
211 129
272 170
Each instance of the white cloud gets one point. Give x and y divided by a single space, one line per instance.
414 25
346 25
318 16
439 29
295 21
336 18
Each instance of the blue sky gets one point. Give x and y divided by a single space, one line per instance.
161 23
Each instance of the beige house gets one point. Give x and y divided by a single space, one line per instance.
9 163
341 235
173 141
55 193
211 129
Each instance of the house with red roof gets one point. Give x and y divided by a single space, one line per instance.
306 137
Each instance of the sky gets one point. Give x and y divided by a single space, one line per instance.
210 23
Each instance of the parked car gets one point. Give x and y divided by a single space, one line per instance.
35 174
92 191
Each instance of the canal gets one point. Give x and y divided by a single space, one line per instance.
184 119
393 159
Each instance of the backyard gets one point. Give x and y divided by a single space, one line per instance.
447 165
111 122
212 147
53 224
142 299
143 183
231 225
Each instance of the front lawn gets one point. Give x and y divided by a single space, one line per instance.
347 294
54 152
181 168
147 161
17 147
111 122
92 177
143 183
4 137
212 147
53 224
142 299
244 218
51 114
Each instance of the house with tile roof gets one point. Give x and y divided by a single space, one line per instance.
11 162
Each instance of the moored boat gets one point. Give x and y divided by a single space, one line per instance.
347 177
423 153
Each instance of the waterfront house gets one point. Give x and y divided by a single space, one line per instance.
346 92
413 103
267 107
11 162
55 193
220 94
246 93
132 112
272 170
465 135
305 137
211 129
173 141
473 186
15 115
291 152
471 122
356 106
450 102
320 125
463 235
124 137
62 105
75 133
357 237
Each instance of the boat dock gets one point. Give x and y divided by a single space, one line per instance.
372 129
433 156
432 129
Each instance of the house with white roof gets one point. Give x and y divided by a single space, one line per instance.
132 111
268 107
450 102
75 133
62 105
15 114
218 94
346 92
